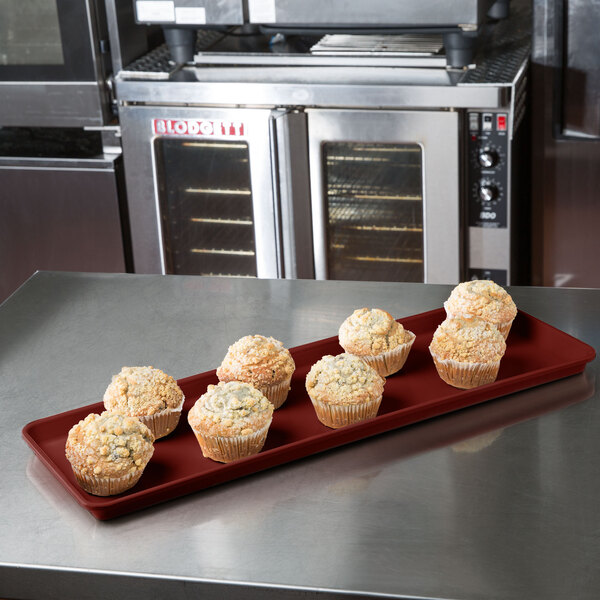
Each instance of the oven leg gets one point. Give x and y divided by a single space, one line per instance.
181 42
460 47
499 10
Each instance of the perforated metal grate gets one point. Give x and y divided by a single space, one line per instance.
503 47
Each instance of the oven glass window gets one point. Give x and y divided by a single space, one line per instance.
206 207
30 33
374 211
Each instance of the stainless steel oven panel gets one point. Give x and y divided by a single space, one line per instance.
348 87
142 191
438 135
489 249
375 12
291 174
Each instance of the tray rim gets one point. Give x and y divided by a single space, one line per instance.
103 507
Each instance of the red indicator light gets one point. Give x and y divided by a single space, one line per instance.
501 123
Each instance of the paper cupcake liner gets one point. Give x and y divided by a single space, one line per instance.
163 422
106 486
226 449
392 361
340 415
465 375
276 393
503 327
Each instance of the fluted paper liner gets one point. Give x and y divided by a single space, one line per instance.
107 486
340 415
390 362
163 422
276 393
226 449
465 375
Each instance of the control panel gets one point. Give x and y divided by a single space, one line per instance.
488 169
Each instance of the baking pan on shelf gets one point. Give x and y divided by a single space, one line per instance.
537 353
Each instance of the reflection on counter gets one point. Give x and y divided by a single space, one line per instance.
469 430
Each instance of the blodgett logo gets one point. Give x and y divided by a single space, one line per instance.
195 127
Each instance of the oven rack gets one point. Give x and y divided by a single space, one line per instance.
371 215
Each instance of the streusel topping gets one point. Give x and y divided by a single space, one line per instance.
370 331
258 360
481 298
139 391
468 340
109 445
343 379
230 408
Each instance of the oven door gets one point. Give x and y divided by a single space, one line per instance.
200 191
385 195
53 63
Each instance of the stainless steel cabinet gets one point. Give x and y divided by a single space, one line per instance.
59 215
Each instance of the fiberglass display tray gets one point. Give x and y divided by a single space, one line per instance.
536 353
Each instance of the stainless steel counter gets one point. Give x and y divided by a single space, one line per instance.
435 510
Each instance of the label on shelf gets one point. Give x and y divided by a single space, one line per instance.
262 11
190 15
159 12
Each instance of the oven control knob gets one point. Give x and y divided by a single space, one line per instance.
488 192
488 158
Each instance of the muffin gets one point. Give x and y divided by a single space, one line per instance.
484 299
147 393
344 390
109 452
376 337
231 421
261 361
467 352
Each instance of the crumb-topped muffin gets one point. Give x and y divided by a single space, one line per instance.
344 389
109 452
375 336
147 393
467 352
261 361
231 421
484 299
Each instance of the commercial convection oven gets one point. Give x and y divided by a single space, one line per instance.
253 160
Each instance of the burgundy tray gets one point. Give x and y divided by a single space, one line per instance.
536 353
